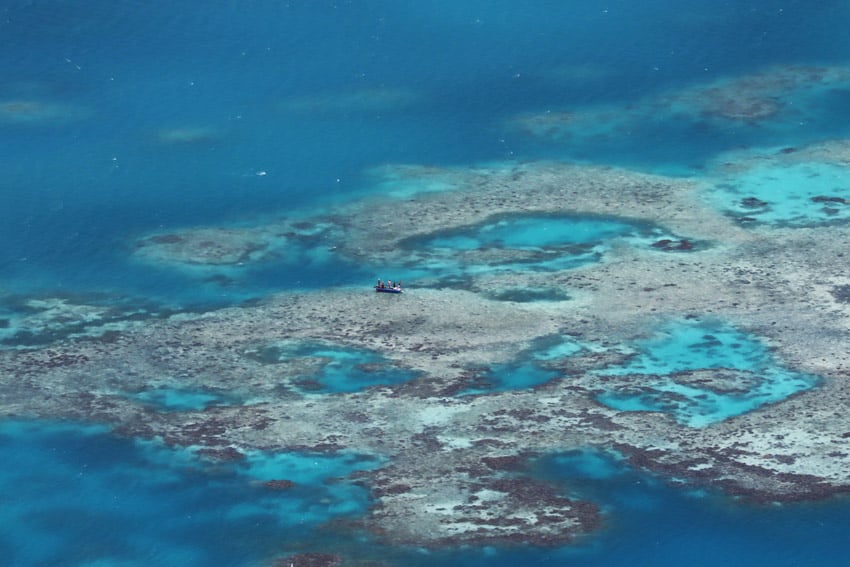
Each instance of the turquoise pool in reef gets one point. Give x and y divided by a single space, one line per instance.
535 366
177 399
334 368
514 243
735 372
537 233
349 370
795 195
755 377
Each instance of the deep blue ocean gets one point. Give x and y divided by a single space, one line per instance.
121 118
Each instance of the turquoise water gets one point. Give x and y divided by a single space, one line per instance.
749 376
797 195
538 233
544 243
350 371
119 120
533 367
509 376
703 345
174 399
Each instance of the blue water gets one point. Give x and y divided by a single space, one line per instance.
650 523
79 496
77 190
118 120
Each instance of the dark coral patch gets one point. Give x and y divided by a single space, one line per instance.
669 245
279 484
841 293
753 203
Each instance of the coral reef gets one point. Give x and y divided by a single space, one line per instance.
453 473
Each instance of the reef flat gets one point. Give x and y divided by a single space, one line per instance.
454 469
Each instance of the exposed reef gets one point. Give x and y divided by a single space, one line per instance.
452 470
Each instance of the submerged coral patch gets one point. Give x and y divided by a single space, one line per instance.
31 112
528 294
81 495
315 491
176 399
291 242
508 376
32 321
701 372
774 97
219 246
535 366
326 368
188 136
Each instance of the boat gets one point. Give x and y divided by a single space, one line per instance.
388 289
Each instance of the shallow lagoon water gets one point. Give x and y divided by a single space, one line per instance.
808 194
346 370
747 374
532 368
542 242
537 233
703 345
339 369
174 399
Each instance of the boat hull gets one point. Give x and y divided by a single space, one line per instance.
387 290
